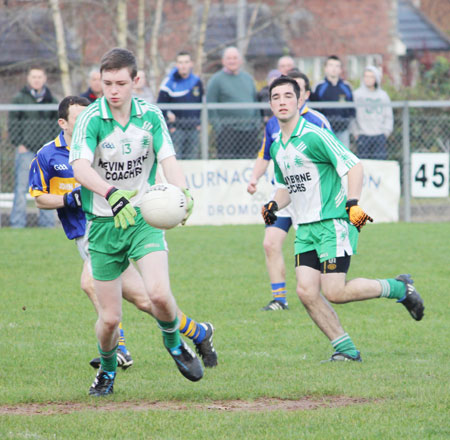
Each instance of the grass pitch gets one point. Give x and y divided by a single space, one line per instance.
400 391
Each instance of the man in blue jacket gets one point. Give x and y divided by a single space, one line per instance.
181 86
334 88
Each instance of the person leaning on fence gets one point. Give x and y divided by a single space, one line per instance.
309 166
236 130
181 86
334 88
94 90
374 120
28 131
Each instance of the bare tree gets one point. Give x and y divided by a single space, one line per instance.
140 45
201 38
61 47
250 27
122 23
154 41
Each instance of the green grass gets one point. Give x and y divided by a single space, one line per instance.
218 274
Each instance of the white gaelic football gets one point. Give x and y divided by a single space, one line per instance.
163 206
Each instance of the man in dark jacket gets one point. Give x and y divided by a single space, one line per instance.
181 86
94 90
334 88
28 131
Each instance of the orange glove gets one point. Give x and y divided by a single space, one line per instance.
356 215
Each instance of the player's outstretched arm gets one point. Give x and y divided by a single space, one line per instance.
49 201
173 172
259 169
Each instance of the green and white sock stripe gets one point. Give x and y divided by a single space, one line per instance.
337 341
385 288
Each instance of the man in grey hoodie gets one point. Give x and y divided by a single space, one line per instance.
374 119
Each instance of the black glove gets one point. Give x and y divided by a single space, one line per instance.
268 212
73 199
356 215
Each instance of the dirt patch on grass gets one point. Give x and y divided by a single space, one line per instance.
257 405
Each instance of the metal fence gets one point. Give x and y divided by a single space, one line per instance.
215 132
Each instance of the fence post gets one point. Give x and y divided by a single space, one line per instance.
406 163
204 130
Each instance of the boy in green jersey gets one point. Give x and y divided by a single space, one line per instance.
116 146
309 166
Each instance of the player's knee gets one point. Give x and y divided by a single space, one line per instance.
334 293
271 246
306 294
159 296
110 321
144 304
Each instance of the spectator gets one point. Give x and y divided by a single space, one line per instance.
28 131
263 94
236 130
141 88
285 64
374 120
334 88
94 90
181 86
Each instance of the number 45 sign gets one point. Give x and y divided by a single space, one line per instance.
429 174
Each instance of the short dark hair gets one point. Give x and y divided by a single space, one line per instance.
333 57
283 79
183 53
119 58
63 108
295 73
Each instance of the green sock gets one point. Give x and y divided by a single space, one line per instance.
171 333
108 359
391 288
344 344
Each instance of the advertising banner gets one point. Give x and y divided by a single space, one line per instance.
219 188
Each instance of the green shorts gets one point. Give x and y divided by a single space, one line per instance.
111 248
329 238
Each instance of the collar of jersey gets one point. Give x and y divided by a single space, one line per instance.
304 109
60 141
105 111
296 133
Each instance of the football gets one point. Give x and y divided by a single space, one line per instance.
163 206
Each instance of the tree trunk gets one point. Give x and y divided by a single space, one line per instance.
61 48
121 21
140 45
201 38
154 43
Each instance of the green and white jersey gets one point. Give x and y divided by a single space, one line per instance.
310 166
126 157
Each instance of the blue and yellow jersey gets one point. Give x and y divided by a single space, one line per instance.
50 173
272 129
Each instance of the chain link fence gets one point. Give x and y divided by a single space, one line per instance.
419 126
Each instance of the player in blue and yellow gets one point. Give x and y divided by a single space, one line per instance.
53 185
276 234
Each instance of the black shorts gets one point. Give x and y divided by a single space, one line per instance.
333 265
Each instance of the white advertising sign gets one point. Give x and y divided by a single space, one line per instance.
429 174
219 188
380 196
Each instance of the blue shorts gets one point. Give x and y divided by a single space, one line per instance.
283 223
